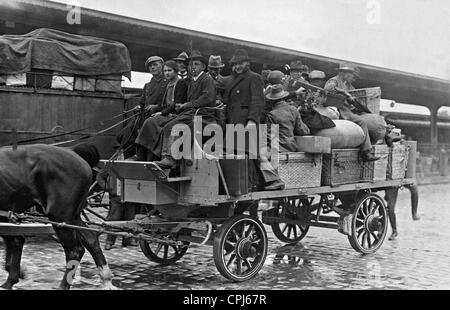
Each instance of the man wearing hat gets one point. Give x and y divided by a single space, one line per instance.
201 94
154 90
298 72
244 97
287 117
341 84
215 66
182 61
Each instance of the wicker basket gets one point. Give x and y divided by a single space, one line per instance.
300 170
376 170
343 166
398 159
369 97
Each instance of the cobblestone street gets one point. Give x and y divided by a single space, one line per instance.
418 259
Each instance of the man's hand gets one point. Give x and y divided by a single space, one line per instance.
156 114
179 107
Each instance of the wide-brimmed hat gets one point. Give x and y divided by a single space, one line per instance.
317 75
348 67
215 62
153 59
196 55
182 57
239 56
277 92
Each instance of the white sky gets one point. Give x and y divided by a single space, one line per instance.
408 35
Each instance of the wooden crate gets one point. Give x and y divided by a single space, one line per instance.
342 166
398 160
377 170
300 170
313 144
369 97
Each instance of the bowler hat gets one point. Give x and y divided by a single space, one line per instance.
317 75
215 62
196 55
153 59
275 77
277 92
239 56
182 57
345 66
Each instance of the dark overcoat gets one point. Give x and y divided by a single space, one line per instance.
244 97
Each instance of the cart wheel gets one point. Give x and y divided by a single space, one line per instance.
369 224
163 254
240 248
290 233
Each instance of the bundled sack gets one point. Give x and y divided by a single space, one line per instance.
345 135
376 126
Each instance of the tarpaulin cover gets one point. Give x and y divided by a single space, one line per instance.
62 52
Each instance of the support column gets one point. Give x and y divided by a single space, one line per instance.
433 127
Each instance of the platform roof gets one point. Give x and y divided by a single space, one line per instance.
145 38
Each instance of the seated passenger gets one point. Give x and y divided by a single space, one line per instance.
176 92
342 83
287 117
200 96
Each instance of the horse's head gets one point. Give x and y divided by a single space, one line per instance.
88 152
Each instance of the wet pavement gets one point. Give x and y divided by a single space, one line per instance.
418 259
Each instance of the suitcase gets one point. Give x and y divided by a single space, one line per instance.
235 171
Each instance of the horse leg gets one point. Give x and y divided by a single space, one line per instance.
90 241
391 199
14 247
74 252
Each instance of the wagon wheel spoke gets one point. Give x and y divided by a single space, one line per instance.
375 237
239 265
246 262
289 230
249 230
232 258
158 248
166 251
369 242
295 231
286 226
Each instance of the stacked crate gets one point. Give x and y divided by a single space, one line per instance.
300 170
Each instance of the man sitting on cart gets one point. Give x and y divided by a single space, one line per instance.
341 84
201 101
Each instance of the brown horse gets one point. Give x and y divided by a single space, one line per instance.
57 180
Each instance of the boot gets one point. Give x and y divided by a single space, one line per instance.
141 153
275 185
393 236
368 156
167 163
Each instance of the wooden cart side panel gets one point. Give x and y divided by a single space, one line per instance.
204 187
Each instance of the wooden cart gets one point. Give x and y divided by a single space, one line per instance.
199 207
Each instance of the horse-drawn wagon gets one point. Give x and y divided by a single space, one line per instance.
208 203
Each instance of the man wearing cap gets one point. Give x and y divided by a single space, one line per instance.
341 84
244 97
201 95
154 90
181 61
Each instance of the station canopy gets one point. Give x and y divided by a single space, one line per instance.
59 51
